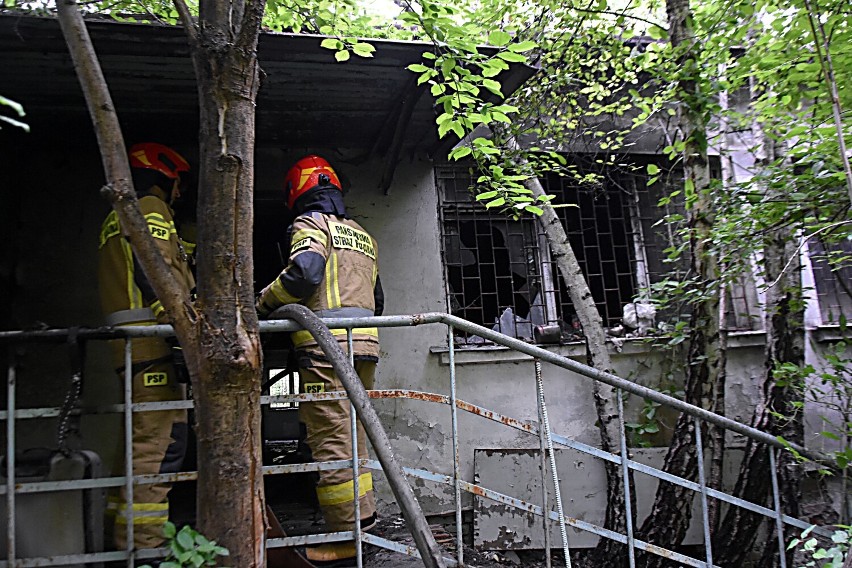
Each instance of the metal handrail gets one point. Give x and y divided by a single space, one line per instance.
453 322
466 326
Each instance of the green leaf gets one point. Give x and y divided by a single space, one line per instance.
505 109
493 86
653 169
522 46
499 38
417 68
656 32
495 203
363 49
511 57
486 195
184 538
460 152
331 43
169 530
533 209
342 56
447 66
444 117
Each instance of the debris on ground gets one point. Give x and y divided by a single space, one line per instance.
393 528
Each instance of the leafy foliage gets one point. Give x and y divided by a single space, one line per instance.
831 557
189 548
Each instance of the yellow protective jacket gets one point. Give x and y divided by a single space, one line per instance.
333 271
126 295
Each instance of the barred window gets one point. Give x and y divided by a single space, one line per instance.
499 272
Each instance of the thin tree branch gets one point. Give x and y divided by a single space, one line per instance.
828 72
119 189
625 15
798 250
188 24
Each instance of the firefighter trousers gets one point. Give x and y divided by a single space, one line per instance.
329 437
159 445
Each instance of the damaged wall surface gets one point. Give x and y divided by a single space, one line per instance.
51 220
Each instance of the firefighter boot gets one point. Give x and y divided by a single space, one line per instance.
332 554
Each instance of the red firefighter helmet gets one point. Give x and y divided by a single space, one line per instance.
157 157
305 175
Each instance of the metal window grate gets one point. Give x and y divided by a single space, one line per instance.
492 263
601 232
499 271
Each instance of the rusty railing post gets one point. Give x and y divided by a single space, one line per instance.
414 518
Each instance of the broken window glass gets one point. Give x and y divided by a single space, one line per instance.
499 272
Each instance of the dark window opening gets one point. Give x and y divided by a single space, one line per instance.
493 272
600 231
832 270
500 273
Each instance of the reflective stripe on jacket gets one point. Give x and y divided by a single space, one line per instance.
123 287
339 274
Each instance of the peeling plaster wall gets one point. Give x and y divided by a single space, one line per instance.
509 388
49 265
406 225
825 495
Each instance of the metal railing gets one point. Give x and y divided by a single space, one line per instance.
541 429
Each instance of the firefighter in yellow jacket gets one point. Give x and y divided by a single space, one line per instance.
127 298
333 271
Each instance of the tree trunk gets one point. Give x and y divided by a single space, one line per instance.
220 340
671 512
227 386
598 355
784 344
716 434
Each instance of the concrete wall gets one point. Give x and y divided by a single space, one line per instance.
49 256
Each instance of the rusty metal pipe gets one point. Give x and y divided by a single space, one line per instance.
414 518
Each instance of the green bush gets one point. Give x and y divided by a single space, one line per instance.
189 548
822 557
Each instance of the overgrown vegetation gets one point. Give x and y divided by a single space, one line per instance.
770 77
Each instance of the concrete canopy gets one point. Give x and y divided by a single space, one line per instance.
307 99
